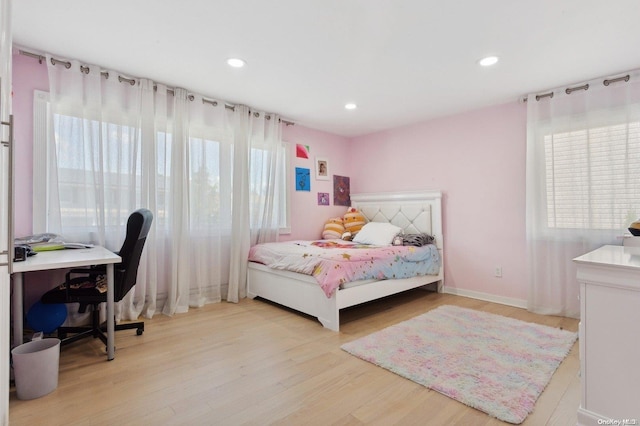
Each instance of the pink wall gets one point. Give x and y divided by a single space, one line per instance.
477 159
28 75
307 218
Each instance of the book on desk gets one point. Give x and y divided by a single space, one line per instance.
58 246
32 244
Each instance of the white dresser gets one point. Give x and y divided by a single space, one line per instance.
609 280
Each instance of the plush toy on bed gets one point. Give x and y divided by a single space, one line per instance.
333 228
353 222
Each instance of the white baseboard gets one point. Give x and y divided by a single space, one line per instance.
509 301
588 418
161 297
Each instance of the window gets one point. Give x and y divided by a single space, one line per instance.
116 158
110 161
210 186
593 177
260 162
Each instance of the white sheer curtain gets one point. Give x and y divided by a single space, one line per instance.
257 167
583 182
194 164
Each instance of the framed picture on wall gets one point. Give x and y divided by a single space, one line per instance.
303 180
323 198
322 168
341 191
302 151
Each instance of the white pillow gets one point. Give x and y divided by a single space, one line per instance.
377 233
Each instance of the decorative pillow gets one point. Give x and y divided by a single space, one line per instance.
417 240
333 228
377 233
353 221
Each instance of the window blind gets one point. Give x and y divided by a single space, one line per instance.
593 177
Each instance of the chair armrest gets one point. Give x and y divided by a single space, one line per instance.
90 273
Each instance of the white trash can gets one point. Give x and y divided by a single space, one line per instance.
35 367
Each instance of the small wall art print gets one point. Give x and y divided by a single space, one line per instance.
322 168
323 198
303 179
341 191
302 151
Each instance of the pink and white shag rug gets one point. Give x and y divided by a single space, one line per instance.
495 364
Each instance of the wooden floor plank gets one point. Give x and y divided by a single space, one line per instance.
258 363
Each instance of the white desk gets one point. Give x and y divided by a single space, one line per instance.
64 259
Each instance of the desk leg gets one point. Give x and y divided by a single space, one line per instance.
111 321
18 309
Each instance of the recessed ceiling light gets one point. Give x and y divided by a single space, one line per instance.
351 106
236 62
488 61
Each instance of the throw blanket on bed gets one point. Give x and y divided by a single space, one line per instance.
335 262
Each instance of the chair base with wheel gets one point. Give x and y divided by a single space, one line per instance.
96 329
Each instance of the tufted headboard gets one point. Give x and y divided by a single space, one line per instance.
414 212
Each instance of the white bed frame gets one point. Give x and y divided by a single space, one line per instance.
414 212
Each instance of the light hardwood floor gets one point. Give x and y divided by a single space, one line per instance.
256 363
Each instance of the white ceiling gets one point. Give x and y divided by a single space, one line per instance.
401 61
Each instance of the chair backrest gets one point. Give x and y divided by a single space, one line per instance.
126 272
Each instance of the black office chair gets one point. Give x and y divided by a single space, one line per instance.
90 287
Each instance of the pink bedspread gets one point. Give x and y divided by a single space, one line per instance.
335 262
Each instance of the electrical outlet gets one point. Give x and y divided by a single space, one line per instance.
498 271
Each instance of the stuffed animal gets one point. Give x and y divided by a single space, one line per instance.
353 221
333 228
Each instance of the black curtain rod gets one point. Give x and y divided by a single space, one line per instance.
569 90
132 81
